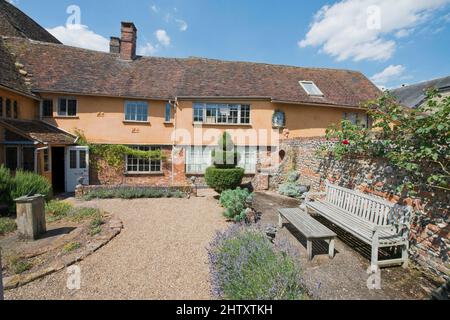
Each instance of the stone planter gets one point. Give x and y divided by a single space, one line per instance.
30 216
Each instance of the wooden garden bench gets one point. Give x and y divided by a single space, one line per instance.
374 221
309 227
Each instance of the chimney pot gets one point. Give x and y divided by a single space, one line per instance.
114 45
128 41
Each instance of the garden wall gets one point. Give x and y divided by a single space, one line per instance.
430 243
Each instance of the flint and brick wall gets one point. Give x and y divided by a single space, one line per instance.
430 229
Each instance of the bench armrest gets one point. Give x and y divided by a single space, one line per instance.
313 195
396 228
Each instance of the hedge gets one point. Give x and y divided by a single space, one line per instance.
224 179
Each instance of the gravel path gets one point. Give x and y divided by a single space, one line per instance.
160 254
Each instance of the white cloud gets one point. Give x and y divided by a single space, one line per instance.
183 26
163 37
155 8
80 36
361 29
148 50
393 72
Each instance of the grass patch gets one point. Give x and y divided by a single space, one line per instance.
18 265
7 225
72 246
57 210
96 226
81 214
134 193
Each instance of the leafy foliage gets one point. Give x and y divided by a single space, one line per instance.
7 225
29 183
71 246
114 154
56 210
6 187
416 141
224 179
246 266
226 155
236 203
292 188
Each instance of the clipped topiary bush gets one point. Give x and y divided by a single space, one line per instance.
224 179
245 265
226 155
28 183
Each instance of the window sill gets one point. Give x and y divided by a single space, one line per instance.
144 173
136 122
223 124
168 123
66 117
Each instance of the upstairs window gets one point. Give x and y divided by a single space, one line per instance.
47 108
311 88
8 108
15 110
67 107
168 113
209 113
136 111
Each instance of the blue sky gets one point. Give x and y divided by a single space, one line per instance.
392 42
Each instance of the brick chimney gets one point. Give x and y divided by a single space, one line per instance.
128 41
114 45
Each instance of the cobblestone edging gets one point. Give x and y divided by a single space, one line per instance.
430 229
115 226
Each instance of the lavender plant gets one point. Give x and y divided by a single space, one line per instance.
245 265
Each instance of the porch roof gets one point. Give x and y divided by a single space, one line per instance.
38 131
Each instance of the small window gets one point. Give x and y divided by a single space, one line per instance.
8 108
198 113
168 114
16 110
47 108
311 88
73 159
46 160
83 162
67 107
11 160
136 111
355 118
1 107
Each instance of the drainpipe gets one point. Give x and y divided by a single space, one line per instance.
36 157
175 104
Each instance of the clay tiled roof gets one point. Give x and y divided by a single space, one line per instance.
65 69
38 131
15 23
9 75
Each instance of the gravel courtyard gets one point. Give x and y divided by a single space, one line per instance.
160 254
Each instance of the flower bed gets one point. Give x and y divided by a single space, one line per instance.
130 192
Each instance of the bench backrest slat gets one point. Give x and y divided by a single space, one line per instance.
375 210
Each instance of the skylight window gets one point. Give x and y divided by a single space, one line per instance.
311 88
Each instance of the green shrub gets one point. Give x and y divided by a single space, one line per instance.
28 183
225 156
245 265
236 203
7 225
133 193
224 179
6 186
57 210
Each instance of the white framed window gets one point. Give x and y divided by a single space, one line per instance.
311 88
198 159
67 107
136 111
356 118
221 113
248 158
142 165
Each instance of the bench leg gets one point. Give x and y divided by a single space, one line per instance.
331 248
405 256
280 221
374 260
309 247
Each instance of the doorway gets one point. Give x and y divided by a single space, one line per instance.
58 170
